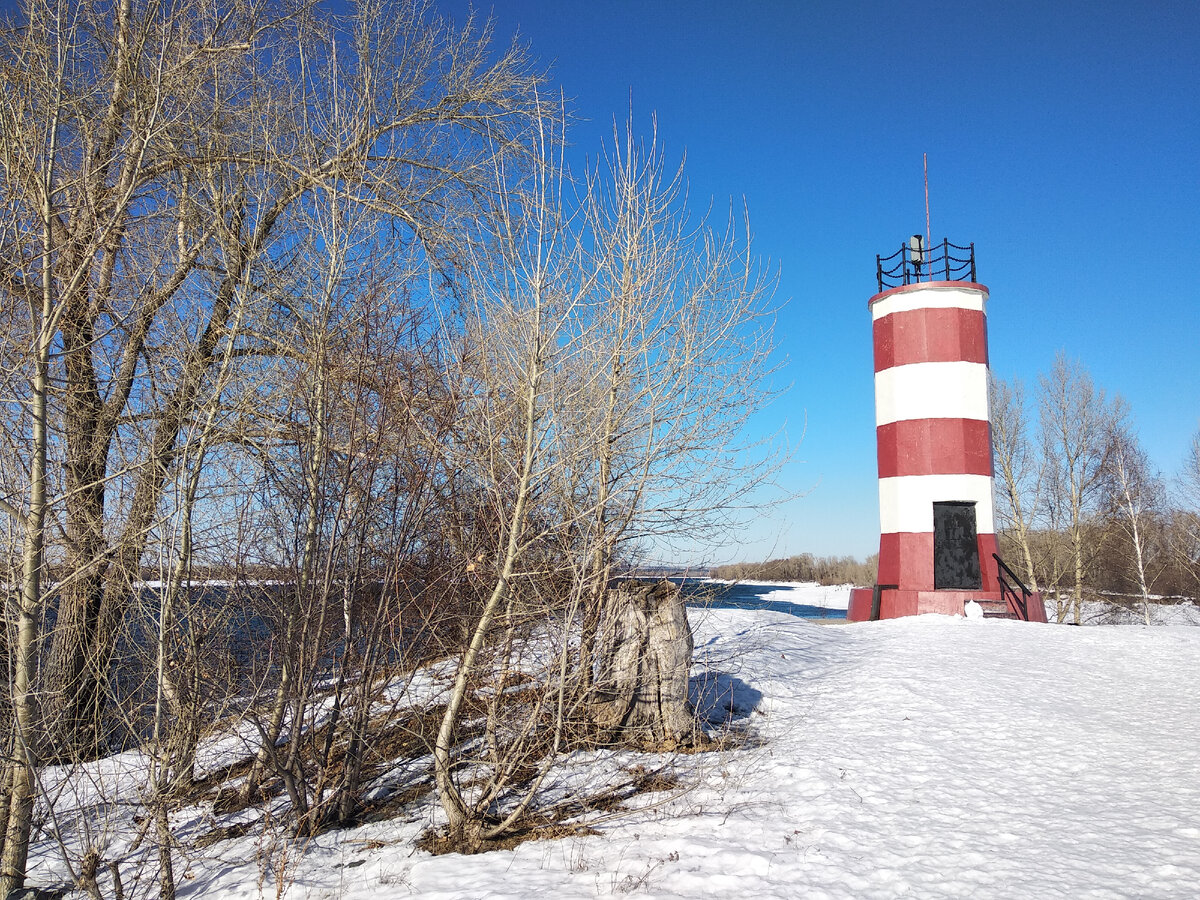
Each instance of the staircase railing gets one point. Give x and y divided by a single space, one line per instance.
1008 585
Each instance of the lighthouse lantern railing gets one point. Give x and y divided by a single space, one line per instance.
914 262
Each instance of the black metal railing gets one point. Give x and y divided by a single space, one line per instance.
914 263
1008 586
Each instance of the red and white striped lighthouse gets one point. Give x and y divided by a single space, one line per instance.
937 545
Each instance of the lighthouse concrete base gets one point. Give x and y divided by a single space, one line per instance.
894 603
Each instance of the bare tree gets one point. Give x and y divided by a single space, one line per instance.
1018 467
155 158
1190 477
171 195
1078 423
523 295
614 350
1185 525
33 282
1136 498
675 359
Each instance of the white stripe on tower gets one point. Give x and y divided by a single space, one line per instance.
906 502
925 297
931 390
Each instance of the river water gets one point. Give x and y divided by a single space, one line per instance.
807 601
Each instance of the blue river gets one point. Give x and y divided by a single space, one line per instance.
749 596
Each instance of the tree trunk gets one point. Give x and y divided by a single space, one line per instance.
1077 549
641 694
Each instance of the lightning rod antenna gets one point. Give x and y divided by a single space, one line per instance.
928 234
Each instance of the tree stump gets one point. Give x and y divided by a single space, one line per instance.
641 689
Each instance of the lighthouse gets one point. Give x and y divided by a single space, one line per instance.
937 543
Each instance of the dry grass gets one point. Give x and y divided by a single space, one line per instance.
559 820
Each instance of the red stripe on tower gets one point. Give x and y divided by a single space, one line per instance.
935 447
945 334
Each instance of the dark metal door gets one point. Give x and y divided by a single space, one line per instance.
955 548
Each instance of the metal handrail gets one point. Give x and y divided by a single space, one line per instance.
909 265
1006 589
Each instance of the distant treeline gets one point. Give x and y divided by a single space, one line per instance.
804 567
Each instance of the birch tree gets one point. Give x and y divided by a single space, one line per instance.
1018 468
1136 500
1077 424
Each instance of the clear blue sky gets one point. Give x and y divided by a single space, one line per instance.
1063 139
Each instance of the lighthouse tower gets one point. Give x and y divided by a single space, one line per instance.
937 545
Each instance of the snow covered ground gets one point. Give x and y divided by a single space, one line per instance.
1097 613
925 757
